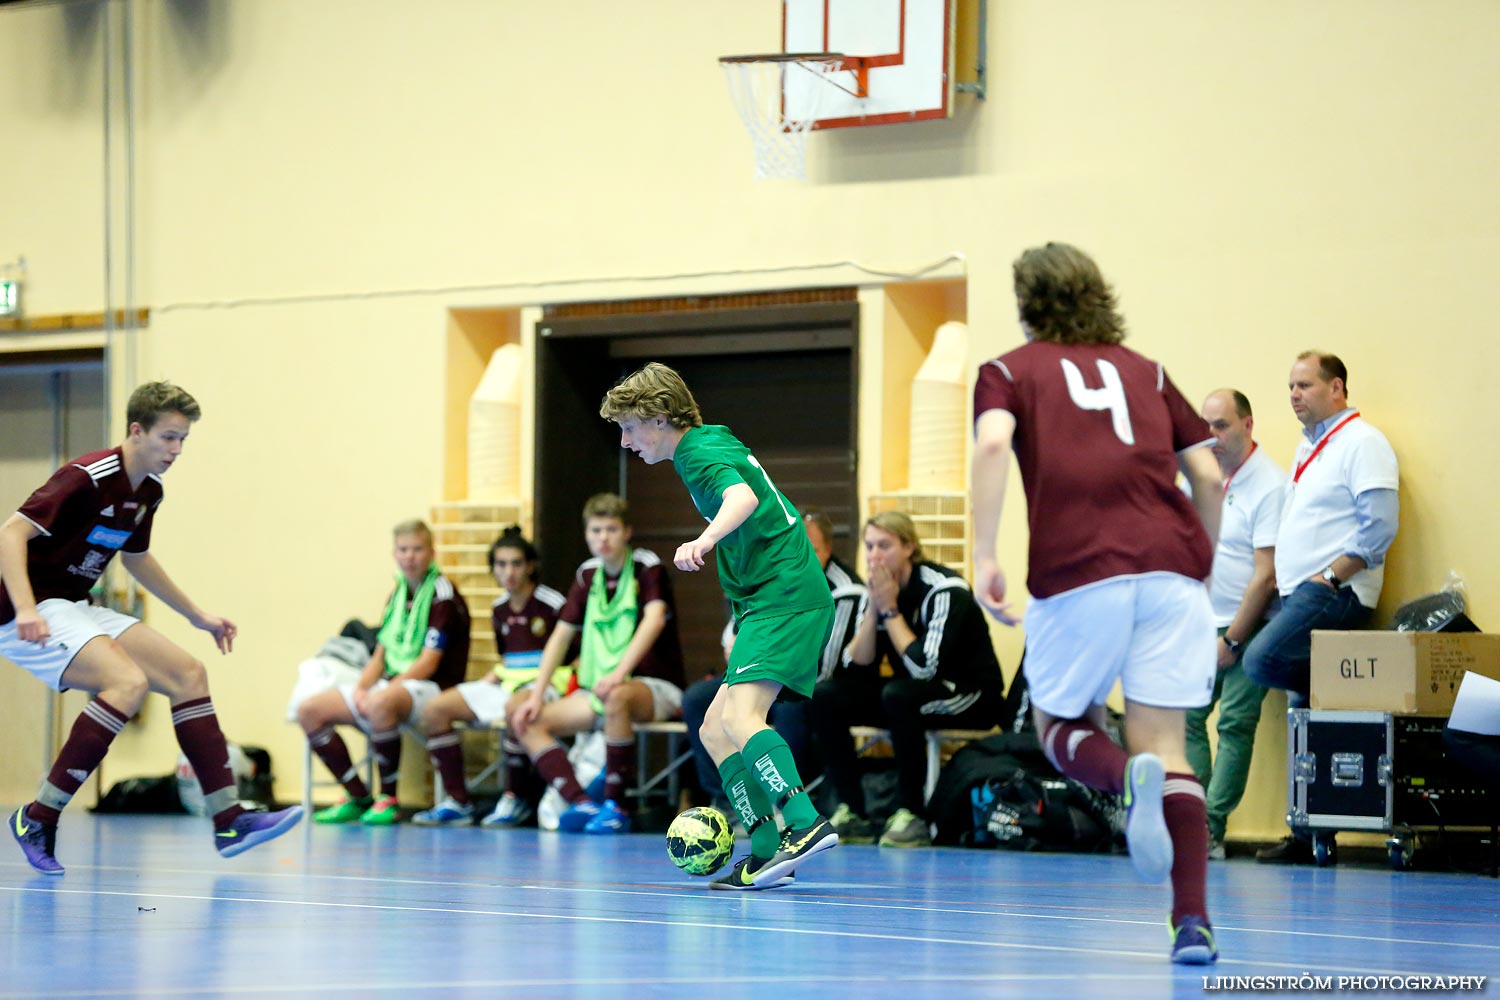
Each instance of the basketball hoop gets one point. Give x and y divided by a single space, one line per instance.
778 127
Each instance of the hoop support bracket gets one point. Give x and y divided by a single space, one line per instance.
981 56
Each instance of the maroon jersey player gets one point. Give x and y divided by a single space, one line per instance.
1118 559
52 551
523 617
422 649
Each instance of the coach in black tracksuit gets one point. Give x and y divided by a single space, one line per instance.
921 617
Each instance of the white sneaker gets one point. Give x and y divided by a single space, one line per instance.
446 813
511 810
1145 826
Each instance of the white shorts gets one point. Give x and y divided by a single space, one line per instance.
421 693
666 700
1155 633
72 624
487 700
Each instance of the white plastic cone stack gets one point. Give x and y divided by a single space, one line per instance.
495 429
938 404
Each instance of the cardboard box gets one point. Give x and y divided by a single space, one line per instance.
1405 673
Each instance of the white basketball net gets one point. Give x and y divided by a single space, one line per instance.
757 89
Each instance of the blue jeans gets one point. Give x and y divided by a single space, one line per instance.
1280 654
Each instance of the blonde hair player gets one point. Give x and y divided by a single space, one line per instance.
781 604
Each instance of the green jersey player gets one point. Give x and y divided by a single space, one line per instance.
781 604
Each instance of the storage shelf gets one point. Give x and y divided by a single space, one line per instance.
941 520
464 531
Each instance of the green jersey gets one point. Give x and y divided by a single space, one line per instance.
766 565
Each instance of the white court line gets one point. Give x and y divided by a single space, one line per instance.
1154 956
788 900
425 986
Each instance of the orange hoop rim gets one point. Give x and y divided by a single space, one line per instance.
777 57
841 63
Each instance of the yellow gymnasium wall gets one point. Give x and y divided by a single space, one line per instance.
1255 179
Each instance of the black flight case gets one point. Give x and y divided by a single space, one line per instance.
1351 770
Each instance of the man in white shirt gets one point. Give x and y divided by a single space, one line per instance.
1338 520
1241 591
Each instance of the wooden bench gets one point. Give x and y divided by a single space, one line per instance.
935 740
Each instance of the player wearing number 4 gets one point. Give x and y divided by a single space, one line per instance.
780 601
1117 562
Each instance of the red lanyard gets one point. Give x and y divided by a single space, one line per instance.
1253 445
1324 443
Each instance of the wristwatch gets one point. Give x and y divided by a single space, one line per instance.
1328 576
886 616
1233 644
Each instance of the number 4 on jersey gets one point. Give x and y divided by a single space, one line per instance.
1111 397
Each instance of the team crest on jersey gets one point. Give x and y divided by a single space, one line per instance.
538 626
93 565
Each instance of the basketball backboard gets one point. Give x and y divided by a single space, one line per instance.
907 49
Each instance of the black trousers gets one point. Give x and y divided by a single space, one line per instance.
908 709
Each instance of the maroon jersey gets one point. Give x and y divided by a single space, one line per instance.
664 659
448 631
520 636
1098 432
86 513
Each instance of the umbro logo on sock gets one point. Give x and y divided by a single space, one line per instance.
77 774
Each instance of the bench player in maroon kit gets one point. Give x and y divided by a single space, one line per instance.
52 551
1117 563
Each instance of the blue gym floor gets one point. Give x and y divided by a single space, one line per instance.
148 909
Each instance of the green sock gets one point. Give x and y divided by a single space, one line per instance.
770 762
750 803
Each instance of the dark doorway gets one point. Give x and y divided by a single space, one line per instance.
783 378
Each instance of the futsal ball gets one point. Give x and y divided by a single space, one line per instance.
699 841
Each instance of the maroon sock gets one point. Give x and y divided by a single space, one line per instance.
553 765
448 761
1183 807
93 731
520 776
619 769
202 740
334 753
1084 752
387 747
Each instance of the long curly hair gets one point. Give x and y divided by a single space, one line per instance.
1064 299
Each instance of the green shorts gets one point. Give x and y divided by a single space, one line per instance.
785 649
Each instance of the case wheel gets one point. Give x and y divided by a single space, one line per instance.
1400 849
1324 850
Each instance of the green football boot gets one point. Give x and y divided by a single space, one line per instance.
346 810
